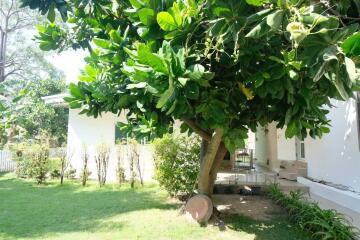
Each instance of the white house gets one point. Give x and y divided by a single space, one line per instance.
88 133
333 162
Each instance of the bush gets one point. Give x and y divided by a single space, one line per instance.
322 224
177 163
70 173
32 161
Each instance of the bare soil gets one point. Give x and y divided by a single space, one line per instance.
260 208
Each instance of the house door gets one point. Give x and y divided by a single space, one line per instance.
300 149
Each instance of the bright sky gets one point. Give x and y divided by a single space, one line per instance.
70 62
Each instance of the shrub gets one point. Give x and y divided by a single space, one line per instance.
32 161
70 173
322 224
177 163
120 170
85 173
102 161
55 174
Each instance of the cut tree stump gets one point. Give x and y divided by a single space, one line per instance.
199 208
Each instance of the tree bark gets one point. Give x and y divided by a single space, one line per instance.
216 165
205 179
203 149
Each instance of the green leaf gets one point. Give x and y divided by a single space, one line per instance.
102 43
146 16
116 37
336 80
221 11
257 3
259 30
351 69
192 91
166 21
74 104
51 14
176 13
274 20
351 46
75 91
259 81
183 81
147 57
325 129
196 71
136 85
291 130
46 46
136 3
165 96
92 72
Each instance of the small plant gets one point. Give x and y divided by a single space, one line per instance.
102 161
120 170
70 173
177 163
65 156
134 156
33 161
55 174
85 173
322 224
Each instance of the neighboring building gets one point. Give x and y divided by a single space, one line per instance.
333 162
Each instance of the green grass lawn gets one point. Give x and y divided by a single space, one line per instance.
52 211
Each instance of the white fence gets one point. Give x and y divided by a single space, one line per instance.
6 164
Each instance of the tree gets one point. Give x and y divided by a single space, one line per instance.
221 67
25 77
12 19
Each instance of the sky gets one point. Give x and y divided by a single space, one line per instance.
70 62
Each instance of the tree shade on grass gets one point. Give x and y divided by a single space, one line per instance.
69 211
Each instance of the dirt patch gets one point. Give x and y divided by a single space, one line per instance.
259 208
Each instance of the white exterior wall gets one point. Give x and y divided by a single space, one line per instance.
286 147
260 146
336 156
90 132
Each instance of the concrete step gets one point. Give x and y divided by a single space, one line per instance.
289 186
288 175
286 164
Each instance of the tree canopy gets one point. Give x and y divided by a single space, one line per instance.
220 66
233 64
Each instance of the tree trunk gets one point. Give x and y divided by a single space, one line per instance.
216 165
203 149
205 179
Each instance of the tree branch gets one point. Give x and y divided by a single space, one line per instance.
204 134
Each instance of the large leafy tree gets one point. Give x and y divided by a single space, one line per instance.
222 67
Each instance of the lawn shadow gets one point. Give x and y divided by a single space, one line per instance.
275 229
28 210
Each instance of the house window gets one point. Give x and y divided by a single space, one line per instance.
300 149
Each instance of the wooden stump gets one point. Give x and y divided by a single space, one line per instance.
199 208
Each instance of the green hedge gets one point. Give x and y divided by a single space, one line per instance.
320 223
177 163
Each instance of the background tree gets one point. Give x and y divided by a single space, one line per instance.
29 76
221 67
12 19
